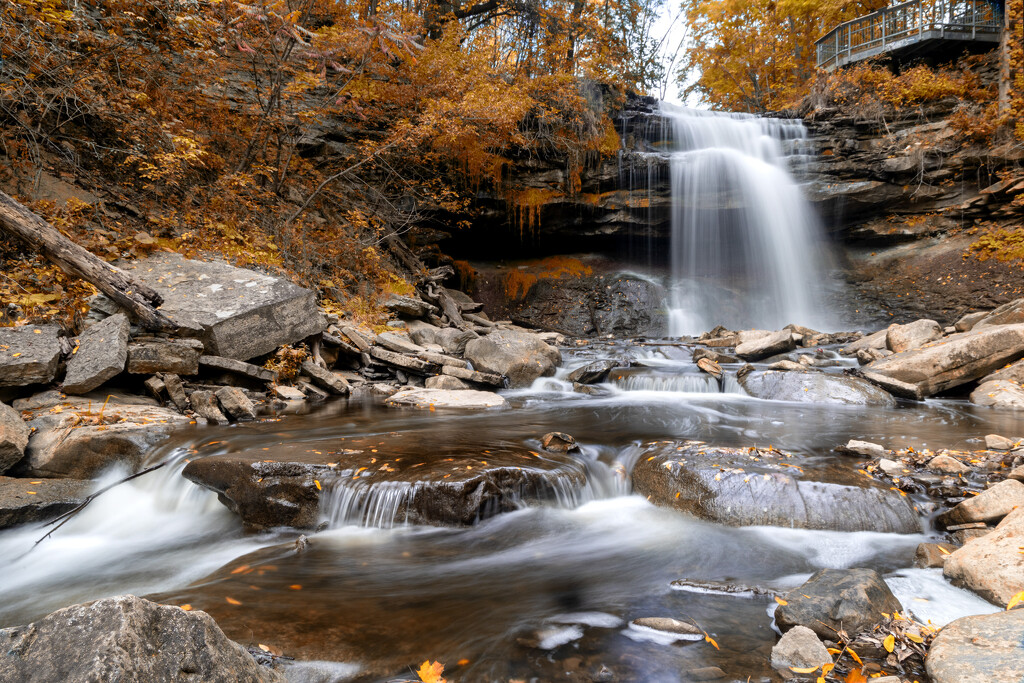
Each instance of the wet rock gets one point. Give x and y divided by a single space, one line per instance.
1011 373
814 387
892 467
237 405
176 391
398 343
711 367
84 436
29 354
995 442
949 362
930 555
799 648
872 342
126 639
395 484
438 398
519 356
446 383
992 566
999 394
102 354
237 367
14 435
242 313
786 366
206 405
289 393
559 442
1010 313
454 341
706 673
979 649
176 356
867 356
900 338
990 505
25 501
325 379
700 352
850 600
719 588
474 376
684 629
865 448
743 487
770 345
967 322
947 465
592 373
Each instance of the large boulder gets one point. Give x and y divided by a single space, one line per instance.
749 487
29 354
1013 372
466 399
1010 313
520 356
126 638
101 355
1000 393
241 313
176 356
814 387
991 505
984 648
14 435
362 482
850 600
23 501
83 436
949 362
768 345
900 338
992 566
872 342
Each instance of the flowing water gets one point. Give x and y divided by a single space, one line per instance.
747 248
542 593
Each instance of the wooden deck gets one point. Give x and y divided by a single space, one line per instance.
913 28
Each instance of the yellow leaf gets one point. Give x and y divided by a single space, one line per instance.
232 601
855 677
317 482
803 670
712 641
431 673
783 602
889 643
186 607
915 638
1015 600
854 655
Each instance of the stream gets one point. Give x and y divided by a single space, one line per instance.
542 593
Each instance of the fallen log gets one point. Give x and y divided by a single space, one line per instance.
139 300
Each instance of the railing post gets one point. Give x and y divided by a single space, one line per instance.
883 18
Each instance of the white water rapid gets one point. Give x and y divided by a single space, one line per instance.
747 248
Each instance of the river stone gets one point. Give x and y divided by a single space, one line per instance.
670 625
948 362
865 448
850 600
440 398
205 404
1014 372
931 555
592 373
101 355
243 314
999 394
520 356
29 354
14 435
1010 313
813 387
454 341
799 648
984 648
175 356
872 342
900 338
990 505
25 501
741 487
992 566
236 404
82 437
559 442
995 442
126 638
968 321
762 347
946 465
403 480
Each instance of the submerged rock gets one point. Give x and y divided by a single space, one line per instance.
520 356
24 501
744 487
466 399
813 387
979 649
28 355
101 355
992 566
364 482
850 600
126 639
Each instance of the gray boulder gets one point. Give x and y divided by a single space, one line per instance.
242 313
850 600
454 341
991 566
178 356
29 354
999 394
949 362
24 501
593 373
14 435
440 398
236 404
985 648
126 639
101 355
520 356
814 387
872 342
205 404
768 345
799 648
446 383
900 338
990 505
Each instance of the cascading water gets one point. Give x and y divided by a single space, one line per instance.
747 249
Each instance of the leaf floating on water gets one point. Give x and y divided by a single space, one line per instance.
855 677
431 673
232 601
712 641
296 586
463 662
889 643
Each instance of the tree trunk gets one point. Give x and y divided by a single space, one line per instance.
138 299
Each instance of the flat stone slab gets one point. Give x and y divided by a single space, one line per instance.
979 649
24 501
28 355
176 356
243 313
441 398
804 386
101 355
14 435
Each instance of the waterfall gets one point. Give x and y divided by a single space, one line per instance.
747 248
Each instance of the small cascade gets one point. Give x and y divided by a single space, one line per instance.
684 382
747 249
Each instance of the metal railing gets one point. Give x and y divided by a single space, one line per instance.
900 25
